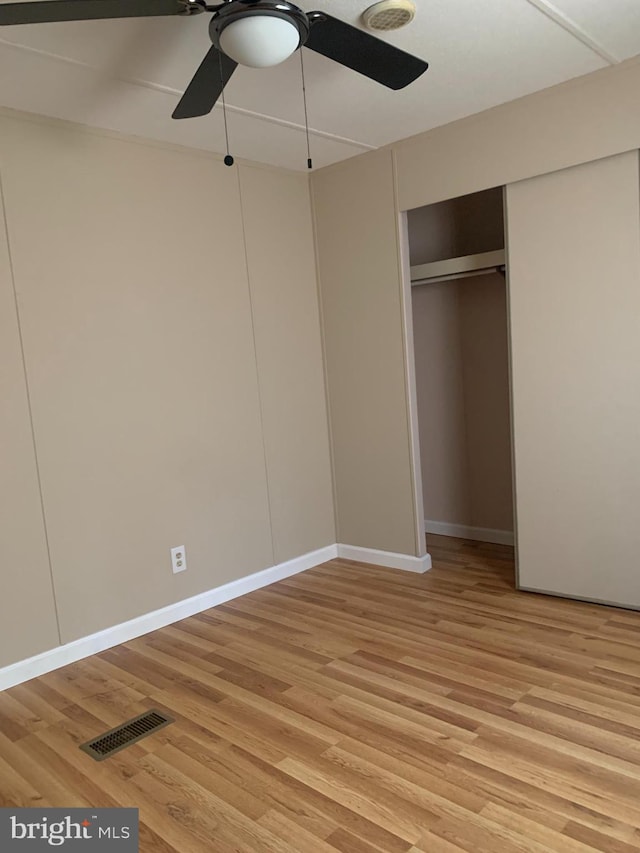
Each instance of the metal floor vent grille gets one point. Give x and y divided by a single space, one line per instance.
130 732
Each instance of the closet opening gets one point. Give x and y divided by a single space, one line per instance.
461 354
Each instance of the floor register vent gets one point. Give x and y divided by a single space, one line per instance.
130 732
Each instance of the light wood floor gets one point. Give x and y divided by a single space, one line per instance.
356 709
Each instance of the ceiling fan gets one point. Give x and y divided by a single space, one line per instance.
258 33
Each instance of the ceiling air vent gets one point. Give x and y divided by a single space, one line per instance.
389 14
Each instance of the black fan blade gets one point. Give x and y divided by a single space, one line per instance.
361 52
206 85
48 11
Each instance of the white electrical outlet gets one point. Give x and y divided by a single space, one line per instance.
178 559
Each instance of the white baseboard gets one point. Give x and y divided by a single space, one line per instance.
463 531
385 558
70 652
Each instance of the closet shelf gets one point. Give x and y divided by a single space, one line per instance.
485 262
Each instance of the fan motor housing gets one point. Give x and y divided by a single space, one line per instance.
245 8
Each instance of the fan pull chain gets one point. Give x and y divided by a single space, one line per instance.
306 118
228 160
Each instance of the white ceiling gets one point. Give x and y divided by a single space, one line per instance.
127 75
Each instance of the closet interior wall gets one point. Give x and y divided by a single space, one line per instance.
462 372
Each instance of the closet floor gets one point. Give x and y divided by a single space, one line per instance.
356 709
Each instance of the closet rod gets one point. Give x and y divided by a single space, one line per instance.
451 268
456 275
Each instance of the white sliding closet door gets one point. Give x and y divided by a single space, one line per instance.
574 282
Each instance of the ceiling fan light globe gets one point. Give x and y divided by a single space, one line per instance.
259 41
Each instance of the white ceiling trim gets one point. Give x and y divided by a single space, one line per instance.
576 30
324 134
49 54
168 90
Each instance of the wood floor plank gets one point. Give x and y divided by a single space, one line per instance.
424 804
418 780
345 841
233 768
598 840
173 757
42 776
356 709
181 820
307 805
295 835
575 783
230 825
547 837
15 791
395 828
395 742
431 843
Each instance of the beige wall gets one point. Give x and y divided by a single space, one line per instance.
27 611
441 411
148 400
485 376
574 259
462 378
357 204
576 122
458 226
357 240
281 262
